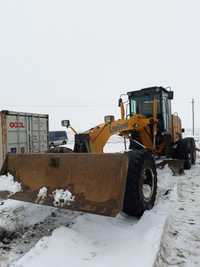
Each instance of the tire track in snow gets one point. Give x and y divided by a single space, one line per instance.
180 244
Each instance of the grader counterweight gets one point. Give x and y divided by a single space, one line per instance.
108 183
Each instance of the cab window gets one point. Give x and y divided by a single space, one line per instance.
144 105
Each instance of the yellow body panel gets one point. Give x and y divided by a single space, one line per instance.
101 133
176 128
147 128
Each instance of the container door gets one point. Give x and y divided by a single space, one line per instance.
43 134
17 135
39 130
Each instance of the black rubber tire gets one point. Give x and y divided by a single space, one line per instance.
187 163
182 152
186 150
134 201
192 149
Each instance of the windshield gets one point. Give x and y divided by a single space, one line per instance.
57 135
144 105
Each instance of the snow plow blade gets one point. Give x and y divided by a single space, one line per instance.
96 181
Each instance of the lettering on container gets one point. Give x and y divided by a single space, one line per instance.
16 124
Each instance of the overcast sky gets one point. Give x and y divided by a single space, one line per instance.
72 59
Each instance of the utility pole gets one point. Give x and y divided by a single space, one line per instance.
193 116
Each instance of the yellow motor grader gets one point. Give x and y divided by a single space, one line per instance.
107 183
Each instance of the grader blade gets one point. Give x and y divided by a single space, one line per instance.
96 182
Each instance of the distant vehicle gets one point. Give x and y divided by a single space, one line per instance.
57 138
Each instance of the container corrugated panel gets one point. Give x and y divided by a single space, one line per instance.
22 133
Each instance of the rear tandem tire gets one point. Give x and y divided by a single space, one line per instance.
192 149
141 187
186 150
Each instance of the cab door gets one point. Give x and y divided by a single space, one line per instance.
166 113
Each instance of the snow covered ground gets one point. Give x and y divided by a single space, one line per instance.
82 239
180 244
32 235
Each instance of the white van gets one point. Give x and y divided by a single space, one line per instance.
57 138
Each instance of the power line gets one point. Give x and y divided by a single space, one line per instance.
193 102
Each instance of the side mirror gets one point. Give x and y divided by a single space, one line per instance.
182 130
109 119
65 123
170 95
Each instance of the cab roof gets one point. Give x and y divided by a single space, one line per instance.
151 91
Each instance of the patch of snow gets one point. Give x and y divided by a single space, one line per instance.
17 214
62 197
98 241
8 183
29 223
42 193
115 144
166 182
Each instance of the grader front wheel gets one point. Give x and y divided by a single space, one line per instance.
141 187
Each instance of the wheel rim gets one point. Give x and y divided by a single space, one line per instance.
148 184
